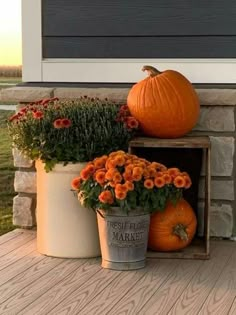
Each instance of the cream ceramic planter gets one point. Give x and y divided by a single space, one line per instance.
64 228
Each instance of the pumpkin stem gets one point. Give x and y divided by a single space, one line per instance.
152 72
180 230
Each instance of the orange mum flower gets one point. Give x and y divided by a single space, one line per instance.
179 181
129 168
75 184
110 163
188 182
137 170
106 197
146 173
159 166
117 178
90 168
152 172
110 173
103 159
120 160
137 177
99 163
148 183
84 174
162 167
120 195
159 174
127 176
129 185
167 178
173 171
120 187
159 182
112 184
100 177
142 165
113 154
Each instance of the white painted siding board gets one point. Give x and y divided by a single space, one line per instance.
31 40
128 70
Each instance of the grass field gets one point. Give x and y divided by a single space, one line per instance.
6 82
6 175
6 163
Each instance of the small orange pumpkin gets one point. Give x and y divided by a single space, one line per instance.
165 104
172 229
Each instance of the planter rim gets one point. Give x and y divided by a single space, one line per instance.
116 211
60 167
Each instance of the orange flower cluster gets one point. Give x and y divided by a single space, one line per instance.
120 172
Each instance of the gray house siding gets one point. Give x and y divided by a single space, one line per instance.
139 29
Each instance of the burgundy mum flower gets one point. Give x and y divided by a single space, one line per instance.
38 115
66 123
14 117
58 124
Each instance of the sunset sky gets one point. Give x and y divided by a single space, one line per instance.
10 32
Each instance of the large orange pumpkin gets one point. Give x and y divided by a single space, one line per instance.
172 229
165 104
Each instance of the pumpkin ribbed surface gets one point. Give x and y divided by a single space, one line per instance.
165 104
172 229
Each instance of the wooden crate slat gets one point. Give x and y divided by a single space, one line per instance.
193 251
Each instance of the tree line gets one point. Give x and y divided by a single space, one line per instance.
11 71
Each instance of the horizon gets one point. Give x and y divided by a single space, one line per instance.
10 34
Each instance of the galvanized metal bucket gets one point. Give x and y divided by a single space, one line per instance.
123 238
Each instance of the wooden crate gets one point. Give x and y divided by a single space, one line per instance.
199 248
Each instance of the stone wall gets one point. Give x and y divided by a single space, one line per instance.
217 119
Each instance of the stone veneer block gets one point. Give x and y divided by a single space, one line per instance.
222 154
25 94
216 119
221 220
20 160
22 214
217 96
25 182
115 94
220 189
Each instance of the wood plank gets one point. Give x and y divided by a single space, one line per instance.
233 308
10 235
83 295
24 279
158 272
138 18
223 293
195 294
17 254
15 243
20 266
51 298
184 142
166 295
196 250
136 47
120 287
42 284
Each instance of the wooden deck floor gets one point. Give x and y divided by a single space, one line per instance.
34 284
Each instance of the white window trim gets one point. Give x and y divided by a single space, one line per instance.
37 69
